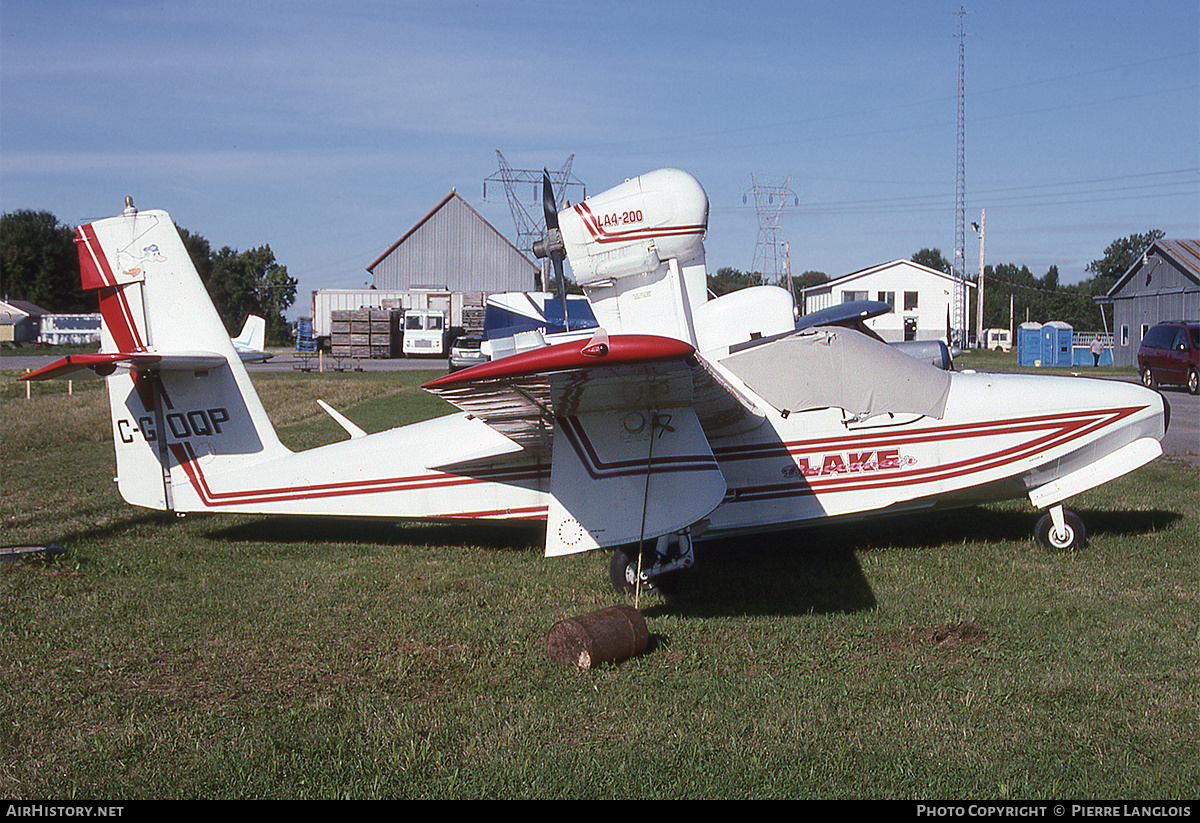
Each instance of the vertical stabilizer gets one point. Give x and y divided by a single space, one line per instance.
176 383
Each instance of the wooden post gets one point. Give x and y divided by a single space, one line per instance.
608 635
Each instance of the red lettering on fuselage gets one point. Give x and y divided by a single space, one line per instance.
845 463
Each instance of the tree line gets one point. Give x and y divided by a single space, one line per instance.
1012 293
38 263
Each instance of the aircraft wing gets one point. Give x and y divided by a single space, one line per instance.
521 395
625 423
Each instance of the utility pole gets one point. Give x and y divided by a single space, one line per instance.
979 309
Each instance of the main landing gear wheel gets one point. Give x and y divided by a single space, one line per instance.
1067 536
623 570
661 560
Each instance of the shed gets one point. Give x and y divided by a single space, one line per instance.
20 321
1164 284
453 249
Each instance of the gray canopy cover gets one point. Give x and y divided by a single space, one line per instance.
830 367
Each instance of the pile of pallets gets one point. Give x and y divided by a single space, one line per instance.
364 333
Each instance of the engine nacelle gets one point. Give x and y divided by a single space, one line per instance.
638 252
633 227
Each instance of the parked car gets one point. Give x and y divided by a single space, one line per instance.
465 352
1170 355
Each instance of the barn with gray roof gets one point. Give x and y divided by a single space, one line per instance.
1163 285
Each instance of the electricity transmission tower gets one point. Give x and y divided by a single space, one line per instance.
523 188
770 257
961 314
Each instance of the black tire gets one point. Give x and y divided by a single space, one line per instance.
1071 539
623 570
1148 378
1193 381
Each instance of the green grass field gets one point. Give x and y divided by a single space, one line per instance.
937 657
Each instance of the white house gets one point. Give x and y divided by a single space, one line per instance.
920 298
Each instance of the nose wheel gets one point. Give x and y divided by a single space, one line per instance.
1060 530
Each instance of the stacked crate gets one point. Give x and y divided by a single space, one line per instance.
362 333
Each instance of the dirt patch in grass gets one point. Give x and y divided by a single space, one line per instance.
953 639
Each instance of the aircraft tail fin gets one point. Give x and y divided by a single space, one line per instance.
254 335
177 388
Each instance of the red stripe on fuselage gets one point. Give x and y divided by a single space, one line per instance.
1057 430
186 457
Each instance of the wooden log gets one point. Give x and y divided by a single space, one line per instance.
609 635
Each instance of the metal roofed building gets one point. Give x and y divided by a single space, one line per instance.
454 249
1164 284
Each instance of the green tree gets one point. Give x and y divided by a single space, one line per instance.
801 282
727 279
933 259
199 250
1118 258
249 282
38 262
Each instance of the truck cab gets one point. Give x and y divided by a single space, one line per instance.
424 332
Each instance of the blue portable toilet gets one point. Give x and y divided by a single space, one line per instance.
1056 344
1029 344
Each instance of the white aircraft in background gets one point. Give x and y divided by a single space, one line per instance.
679 418
252 341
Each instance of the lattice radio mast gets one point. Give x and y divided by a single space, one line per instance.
961 314
527 211
770 257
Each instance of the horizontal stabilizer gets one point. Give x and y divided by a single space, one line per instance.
104 364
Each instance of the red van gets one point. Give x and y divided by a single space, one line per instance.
1170 355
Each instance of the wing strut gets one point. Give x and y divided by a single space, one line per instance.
655 424
158 394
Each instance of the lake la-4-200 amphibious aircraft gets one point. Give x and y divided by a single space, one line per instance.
679 418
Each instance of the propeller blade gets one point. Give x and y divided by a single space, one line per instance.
551 210
548 204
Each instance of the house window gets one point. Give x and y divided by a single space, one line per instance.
1145 328
910 300
851 296
888 297
1124 335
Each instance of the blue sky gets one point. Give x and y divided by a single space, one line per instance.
327 130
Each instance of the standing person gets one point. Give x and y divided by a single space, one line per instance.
1097 350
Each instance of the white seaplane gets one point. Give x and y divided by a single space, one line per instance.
679 418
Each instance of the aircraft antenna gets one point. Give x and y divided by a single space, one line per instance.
770 200
523 189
